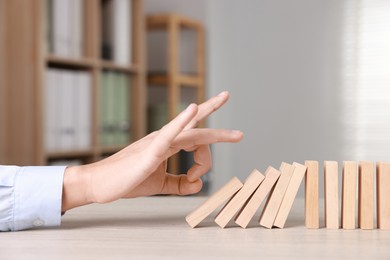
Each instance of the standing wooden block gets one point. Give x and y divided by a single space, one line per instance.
216 200
291 193
272 206
312 219
366 195
233 206
331 195
348 203
383 195
249 210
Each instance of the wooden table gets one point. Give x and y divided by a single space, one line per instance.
155 228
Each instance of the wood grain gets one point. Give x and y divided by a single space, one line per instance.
233 206
366 195
312 219
213 202
3 81
331 195
249 210
291 193
383 195
272 206
348 204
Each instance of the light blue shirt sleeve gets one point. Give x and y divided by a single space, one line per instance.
30 197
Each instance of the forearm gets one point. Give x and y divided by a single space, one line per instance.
76 187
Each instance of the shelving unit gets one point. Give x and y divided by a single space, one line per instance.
3 82
173 79
22 31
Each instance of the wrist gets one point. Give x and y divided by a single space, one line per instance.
76 187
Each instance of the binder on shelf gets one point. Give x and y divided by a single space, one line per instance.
107 24
110 113
124 110
117 101
68 43
103 108
50 113
60 27
67 27
158 115
49 25
114 109
68 111
83 110
116 27
76 35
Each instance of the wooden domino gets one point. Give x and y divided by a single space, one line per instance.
216 200
366 195
271 208
243 200
348 203
312 219
289 196
234 205
331 195
247 213
383 195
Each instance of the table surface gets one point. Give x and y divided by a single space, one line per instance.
155 227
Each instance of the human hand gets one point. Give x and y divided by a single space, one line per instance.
140 168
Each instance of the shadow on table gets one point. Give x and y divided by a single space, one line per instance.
158 221
152 221
209 223
290 223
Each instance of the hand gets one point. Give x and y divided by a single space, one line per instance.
140 168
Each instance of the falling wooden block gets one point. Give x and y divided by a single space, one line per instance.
331 195
249 210
271 208
383 195
233 206
289 196
348 202
312 219
216 200
366 195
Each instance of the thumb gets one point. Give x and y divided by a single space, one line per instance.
180 185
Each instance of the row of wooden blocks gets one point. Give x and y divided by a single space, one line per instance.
281 186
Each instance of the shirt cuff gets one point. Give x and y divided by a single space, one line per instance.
38 197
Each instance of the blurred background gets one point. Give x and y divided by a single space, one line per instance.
309 80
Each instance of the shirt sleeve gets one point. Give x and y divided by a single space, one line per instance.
30 197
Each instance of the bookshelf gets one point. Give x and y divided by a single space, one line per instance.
3 113
173 79
27 59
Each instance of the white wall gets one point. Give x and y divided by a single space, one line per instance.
281 61
195 9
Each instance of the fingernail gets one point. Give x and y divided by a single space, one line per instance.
237 132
